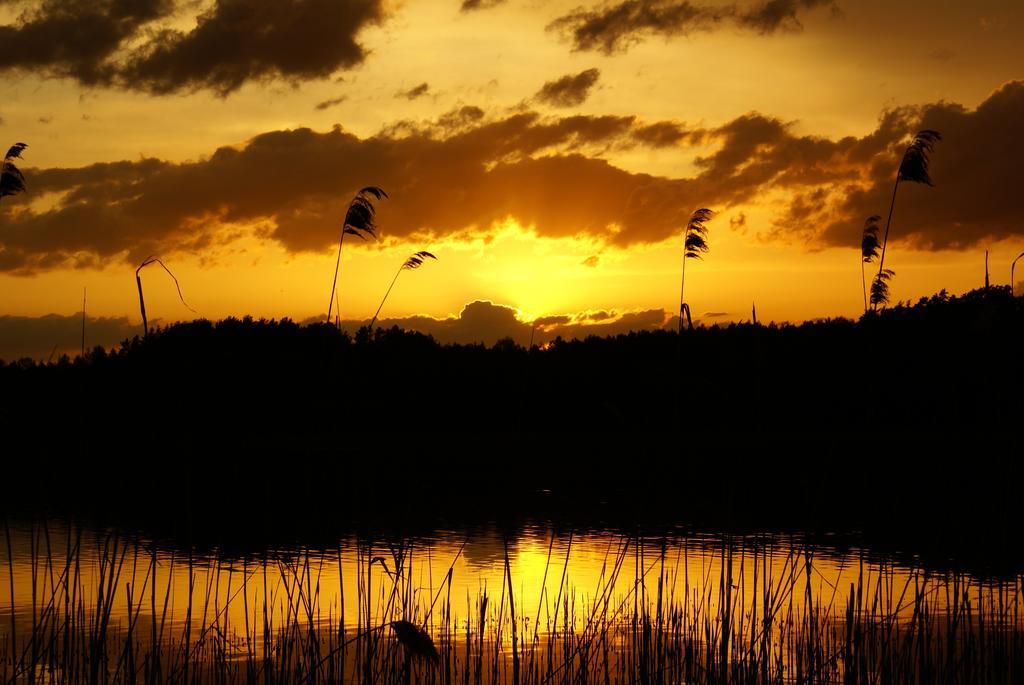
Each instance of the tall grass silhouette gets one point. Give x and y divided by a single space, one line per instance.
1013 267
360 221
414 262
914 169
12 181
880 288
105 610
142 300
869 245
695 245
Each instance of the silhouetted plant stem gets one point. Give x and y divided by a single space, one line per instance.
1012 267
381 305
142 303
334 282
888 222
864 284
83 322
695 244
359 221
868 252
913 167
682 286
413 262
512 615
10 568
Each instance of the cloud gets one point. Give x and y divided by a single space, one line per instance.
470 5
661 134
614 27
570 90
251 40
976 170
415 92
465 173
779 15
126 43
75 38
485 322
332 102
38 336
460 173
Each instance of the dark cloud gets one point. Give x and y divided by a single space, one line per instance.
251 40
661 134
75 38
976 170
122 43
570 90
39 336
332 102
415 92
591 261
614 27
470 5
485 322
776 15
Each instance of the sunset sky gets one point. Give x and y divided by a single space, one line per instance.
548 152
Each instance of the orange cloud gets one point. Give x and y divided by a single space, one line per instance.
467 172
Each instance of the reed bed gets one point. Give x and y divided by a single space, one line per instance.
107 609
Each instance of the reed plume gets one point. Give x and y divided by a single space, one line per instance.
880 288
413 262
869 245
913 168
360 221
695 245
142 300
12 181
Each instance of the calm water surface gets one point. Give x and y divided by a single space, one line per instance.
554 578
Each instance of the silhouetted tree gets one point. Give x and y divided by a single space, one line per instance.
413 262
695 244
869 245
913 168
360 221
12 181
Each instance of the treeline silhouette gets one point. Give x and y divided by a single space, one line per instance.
944 363
903 423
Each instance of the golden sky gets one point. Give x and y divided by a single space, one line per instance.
547 152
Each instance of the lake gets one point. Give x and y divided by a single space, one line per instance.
537 604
